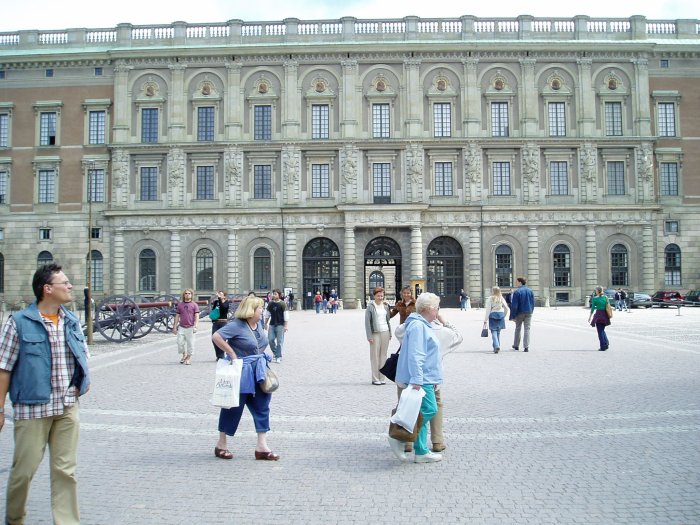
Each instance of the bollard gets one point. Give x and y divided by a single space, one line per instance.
678 306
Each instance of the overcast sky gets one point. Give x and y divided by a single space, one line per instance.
63 14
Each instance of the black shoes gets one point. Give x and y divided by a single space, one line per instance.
525 350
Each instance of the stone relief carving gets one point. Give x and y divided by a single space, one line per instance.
645 165
348 168
120 177
291 174
233 171
531 163
176 177
414 173
589 162
472 172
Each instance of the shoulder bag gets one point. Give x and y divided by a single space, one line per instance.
215 313
608 309
271 382
389 368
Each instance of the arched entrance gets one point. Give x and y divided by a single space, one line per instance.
382 264
445 270
321 269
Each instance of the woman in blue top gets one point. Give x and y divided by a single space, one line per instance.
244 338
599 317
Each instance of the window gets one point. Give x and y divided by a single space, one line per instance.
262 123
49 73
616 178
149 183
504 266
669 178
47 182
44 258
672 265
4 130
380 121
205 124
204 265
205 187
95 233
667 119
45 234
47 129
443 179
96 127
561 264
381 174
618 266
98 71
149 125
262 275
2 74
442 119
501 178
96 263
4 199
319 121
613 119
2 234
499 119
320 180
664 63
672 227
96 185
557 119
558 178
147 271
262 181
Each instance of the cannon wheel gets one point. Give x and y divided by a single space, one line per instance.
118 318
147 317
164 316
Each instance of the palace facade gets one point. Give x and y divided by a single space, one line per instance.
346 154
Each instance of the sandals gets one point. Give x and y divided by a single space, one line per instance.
222 453
267 456
184 358
188 359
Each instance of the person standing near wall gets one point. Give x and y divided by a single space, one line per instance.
185 326
277 324
522 305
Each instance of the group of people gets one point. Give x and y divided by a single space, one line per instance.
621 300
496 310
327 303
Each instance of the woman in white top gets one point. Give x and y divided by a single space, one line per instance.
496 313
378 330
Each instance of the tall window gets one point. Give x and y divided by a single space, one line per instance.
443 179
205 124
616 178
44 258
319 121
4 198
4 130
499 119
320 180
47 186
381 175
262 123
96 185
672 265
501 178
262 181
149 125
504 266
613 119
442 119
559 178
669 178
557 119
205 187
380 121
262 274
561 264
96 127
96 271
619 265
667 119
149 183
47 128
147 270
204 264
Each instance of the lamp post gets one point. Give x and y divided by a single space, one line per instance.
88 309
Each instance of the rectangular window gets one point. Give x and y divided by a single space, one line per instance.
49 73
664 63
149 183
442 119
262 181
45 234
557 119
320 181
672 267
619 269
3 188
47 129
205 124
381 174
672 227
319 121
616 178
98 71
4 130
669 178
96 185
47 183
501 178
96 127
95 233
558 178
2 74
561 263
499 119
667 119
205 182
613 119
443 179
149 125
380 121
263 123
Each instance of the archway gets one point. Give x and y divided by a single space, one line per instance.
445 270
321 269
383 257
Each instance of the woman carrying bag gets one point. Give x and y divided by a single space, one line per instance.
600 315
495 317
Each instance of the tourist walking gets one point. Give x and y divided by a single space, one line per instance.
496 311
599 316
522 305
277 324
185 325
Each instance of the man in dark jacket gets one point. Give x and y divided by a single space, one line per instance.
522 304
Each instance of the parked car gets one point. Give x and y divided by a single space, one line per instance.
665 298
639 300
693 298
610 293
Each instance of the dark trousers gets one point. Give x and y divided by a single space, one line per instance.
602 337
220 354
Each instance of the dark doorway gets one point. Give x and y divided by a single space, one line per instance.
382 264
321 269
445 270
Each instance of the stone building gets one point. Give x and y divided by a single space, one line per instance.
345 154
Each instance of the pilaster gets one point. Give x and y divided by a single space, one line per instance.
417 253
586 98
475 269
232 275
119 263
471 95
178 103
591 259
122 111
528 96
642 108
291 94
234 98
350 99
648 259
291 262
175 266
533 259
349 292
413 98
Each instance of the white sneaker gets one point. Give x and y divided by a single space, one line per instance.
397 448
430 457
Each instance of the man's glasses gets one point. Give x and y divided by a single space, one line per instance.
64 283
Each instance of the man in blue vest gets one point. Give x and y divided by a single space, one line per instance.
522 304
43 365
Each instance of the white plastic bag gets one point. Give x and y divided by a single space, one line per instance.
227 383
408 409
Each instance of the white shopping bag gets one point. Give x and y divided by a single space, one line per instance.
227 384
408 409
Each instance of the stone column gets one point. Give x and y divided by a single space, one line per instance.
232 276
349 292
350 95
178 103
413 98
647 270
528 97
119 263
175 266
234 97
533 260
475 269
586 99
122 105
291 95
471 97
591 259
291 263
417 253
642 108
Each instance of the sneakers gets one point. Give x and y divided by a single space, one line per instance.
430 457
397 449
277 359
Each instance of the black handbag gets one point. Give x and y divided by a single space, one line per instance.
485 332
389 368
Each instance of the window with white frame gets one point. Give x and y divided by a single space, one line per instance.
381 182
96 233
666 117
262 269
96 271
4 130
320 181
672 265
262 122
442 119
47 186
320 123
504 266
44 234
616 177
47 128
672 227
205 183
668 177
147 271
205 123
500 178
148 183
4 197
619 265
613 119
262 181
557 119
149 125
204 266
444 182
561 265
96 127
499 119
380 121
559 177
96 185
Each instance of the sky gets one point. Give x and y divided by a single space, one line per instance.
56 14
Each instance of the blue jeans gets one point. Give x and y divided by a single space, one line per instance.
259 406
276 338
463 304
602 337
428 408
318 307
496 338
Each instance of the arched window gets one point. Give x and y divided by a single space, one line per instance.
147 270
44 258
561 265
619 266
262 273
375 279
672 265
96 271
2 273
321 268
504 266
204 265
